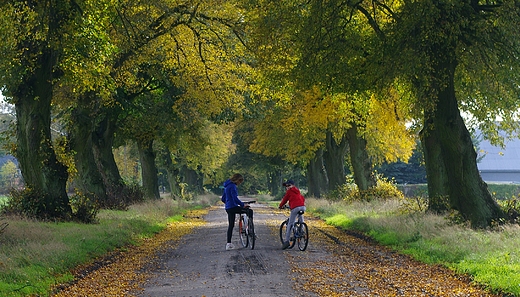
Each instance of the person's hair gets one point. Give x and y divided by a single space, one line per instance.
237 177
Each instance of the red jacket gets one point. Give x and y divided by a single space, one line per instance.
294 197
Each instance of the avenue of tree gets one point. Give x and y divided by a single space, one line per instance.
207 88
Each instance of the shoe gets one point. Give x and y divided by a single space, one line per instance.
229 246
285 245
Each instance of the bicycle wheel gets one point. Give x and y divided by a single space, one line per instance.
251 233
303 235
242 231
283 229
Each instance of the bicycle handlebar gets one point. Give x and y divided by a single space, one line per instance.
249 202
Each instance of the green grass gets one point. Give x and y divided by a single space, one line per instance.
36 255
3 200
492 258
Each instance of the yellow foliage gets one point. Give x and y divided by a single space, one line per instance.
296 128
215 150
388 138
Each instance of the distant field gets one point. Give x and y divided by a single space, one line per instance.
500 191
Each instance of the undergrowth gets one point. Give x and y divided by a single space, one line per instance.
35 255
490 257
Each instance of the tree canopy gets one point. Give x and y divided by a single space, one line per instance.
314 83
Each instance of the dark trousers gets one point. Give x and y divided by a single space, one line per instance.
231 213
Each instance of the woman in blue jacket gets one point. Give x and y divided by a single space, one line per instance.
233 205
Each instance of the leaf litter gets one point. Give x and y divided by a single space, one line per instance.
356 266
353 266
122 272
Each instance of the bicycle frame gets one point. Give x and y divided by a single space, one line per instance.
299 232
246 229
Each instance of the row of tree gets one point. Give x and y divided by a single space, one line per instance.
319 84
102 73
380 63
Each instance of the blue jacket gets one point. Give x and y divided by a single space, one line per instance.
230 195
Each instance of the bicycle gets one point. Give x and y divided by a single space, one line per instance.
300 232
246 229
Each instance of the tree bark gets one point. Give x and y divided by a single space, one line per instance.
334 156
274 182
43 174
361 164
317 180
148 170
173 173
102 140
467 191
192 179
435 170
88 180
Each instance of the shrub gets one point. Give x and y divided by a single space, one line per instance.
33 204
512 208
384 189
413 205
121 197
84 207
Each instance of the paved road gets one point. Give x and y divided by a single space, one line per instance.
200 265
334 264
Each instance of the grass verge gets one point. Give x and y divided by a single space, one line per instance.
35 256
491 258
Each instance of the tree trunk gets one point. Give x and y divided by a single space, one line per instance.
102 140
148 170
42 172
361 164
334 157
467 191
45 177
435 170
317 180
173 173
88 180
274 182
192 179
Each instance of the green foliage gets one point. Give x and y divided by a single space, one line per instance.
413 204
349 192
512 208
127 160
504 191
9 176
28 202
84 207
185 194
411 172
7 131
315 83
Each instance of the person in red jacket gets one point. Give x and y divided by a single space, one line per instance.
296 203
